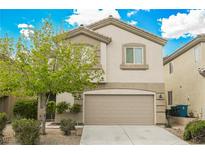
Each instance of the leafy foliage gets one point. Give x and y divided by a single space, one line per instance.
3 120
51 108
195 131
49 65
27 131
62 107
26 109
6 46
66 125
46 64
75 108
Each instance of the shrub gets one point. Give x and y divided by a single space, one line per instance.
26 109
50 109
3 120
187 132
62 107
66 125
75 108
27 131
195 131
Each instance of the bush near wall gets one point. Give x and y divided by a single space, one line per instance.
26 109
62 107
66 125
75 108
3 120
195 131
27 131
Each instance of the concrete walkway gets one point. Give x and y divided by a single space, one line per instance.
128 134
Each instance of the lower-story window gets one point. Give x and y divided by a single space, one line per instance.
170 98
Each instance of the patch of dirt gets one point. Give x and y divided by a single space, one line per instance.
176 131
53 137
9 135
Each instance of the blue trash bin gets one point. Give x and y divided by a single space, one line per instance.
182 110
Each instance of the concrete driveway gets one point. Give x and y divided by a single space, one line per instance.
127 134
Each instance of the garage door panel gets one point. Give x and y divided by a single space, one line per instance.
119 109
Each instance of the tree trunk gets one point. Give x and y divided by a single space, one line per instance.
42 99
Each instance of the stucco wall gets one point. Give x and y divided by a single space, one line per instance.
187 85
84 39
203 53
78 117
114 57
65 97
101 50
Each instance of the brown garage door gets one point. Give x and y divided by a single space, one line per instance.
119 109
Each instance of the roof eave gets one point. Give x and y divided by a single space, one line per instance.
185 48
91 34
87 32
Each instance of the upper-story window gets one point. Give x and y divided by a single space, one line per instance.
134 55
197 54
170 68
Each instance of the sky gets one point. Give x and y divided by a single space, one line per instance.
177 26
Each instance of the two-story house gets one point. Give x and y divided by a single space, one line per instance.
184 73
133 88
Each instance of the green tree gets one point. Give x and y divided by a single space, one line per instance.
49 65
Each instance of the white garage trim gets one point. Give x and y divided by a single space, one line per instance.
119 92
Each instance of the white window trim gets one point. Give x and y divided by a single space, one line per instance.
134 56
197 54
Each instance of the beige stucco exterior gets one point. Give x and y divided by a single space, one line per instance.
114 57
149 80
111 56
65 97
186 84
84 39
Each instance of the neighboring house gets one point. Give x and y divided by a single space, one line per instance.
133 88
7 104
184 72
